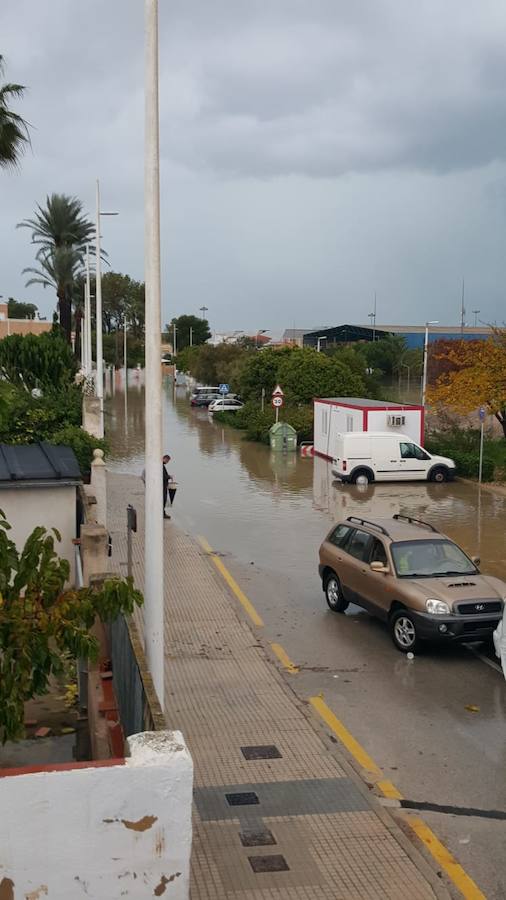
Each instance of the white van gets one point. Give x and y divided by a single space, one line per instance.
383 456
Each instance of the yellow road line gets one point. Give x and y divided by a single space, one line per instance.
232 583
389 790
358 752
284 659
441 854
453 869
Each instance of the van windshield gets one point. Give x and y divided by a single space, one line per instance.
429 559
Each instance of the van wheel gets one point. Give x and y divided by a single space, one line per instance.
334 594
361 476
439 475
403 631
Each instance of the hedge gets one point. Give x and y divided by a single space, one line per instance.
458 447
256 424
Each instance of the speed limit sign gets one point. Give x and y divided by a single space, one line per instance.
277 401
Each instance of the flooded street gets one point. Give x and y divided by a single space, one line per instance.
267 514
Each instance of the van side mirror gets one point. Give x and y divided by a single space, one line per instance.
379 567
476 560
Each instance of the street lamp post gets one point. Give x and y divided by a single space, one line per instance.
475 314
153 585
191 336
98 305
87 315
257 335
174 339
425 358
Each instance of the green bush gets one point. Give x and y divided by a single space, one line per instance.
463 448
82 442
26 420
256 424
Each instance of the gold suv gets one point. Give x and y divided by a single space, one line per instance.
410 575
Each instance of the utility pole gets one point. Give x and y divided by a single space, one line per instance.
154 544
87 315
191 336
203 310
125 346
99 387
462 310
174 339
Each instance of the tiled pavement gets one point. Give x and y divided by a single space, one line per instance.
297 825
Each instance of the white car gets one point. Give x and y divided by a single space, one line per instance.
225 404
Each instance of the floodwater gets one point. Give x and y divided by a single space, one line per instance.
436 725
271 507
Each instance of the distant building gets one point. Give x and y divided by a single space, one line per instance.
20 326
414 335
296 335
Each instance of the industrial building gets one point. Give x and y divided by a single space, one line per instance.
414 335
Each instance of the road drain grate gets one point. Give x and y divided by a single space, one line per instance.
269 863
243 798
257 838
266 751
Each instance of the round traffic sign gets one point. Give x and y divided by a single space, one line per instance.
277 400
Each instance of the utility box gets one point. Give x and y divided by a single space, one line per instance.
283 437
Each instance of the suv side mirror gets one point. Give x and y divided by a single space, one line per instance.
379 567
476 560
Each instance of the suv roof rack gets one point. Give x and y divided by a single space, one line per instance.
367 522
413 521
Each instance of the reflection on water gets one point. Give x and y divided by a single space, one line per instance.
275 508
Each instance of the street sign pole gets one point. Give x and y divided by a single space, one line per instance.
277 414
482 420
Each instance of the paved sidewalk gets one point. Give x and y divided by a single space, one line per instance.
276 814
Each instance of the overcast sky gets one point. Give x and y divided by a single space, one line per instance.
314 152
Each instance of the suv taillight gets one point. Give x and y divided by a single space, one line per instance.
345 465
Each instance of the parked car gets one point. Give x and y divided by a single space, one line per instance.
203 396
416 579
225 404
365 456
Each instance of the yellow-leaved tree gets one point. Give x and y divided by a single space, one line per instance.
474 375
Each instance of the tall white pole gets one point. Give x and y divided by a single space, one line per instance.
153 587
191 336
87 315
99 323
125 345
425 354
174 342
84 364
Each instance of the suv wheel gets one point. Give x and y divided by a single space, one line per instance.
334 593
403 631
439 475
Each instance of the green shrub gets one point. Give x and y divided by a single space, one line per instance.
463 448
256 424
82 442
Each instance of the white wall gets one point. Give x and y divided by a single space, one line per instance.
52 507
378 419
330 420
101 832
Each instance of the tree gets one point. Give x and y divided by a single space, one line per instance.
38 360
41 622
62 231
19 310
305 374
200 331
14 135
474 376
386 354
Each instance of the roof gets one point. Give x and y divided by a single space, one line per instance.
362 402
44 462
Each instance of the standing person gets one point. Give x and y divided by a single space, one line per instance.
166 479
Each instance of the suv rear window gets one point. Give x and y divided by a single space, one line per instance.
339 535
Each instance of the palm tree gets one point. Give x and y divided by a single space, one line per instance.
13 129
58 268
60 226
